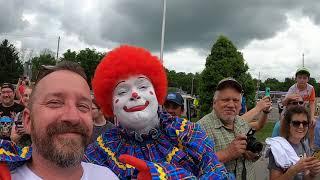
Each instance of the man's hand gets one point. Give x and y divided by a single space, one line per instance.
251 156
237 147
313 121
20 130
293 97
264 104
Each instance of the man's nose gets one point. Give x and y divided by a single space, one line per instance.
231 104
71 114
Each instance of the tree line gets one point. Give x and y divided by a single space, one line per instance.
224 60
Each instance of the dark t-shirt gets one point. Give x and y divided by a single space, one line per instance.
98 130
11 111
5 127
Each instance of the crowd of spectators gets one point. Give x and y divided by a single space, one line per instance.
290 147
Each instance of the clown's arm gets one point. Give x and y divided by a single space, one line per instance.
194 142
197 145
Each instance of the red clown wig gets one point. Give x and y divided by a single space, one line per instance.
121 63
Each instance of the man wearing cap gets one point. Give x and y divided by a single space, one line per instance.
305 90
229 131
8 109
174 104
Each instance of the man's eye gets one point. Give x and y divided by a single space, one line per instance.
55 103
84 108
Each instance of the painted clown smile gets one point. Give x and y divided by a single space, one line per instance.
136 108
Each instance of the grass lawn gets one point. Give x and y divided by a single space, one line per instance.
265 132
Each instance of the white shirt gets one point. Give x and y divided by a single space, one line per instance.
90 172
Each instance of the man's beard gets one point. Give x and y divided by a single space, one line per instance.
64 152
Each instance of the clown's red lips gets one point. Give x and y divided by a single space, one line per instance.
136 108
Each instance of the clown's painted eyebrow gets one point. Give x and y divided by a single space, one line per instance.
143 78
119 83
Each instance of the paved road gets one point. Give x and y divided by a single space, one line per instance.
262 173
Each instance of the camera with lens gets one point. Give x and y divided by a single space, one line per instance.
252 144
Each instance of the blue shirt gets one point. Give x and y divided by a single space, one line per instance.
276 129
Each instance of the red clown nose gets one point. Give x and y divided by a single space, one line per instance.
134 95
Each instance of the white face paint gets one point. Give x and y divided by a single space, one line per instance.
135 104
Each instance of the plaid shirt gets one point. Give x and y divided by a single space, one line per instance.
222 137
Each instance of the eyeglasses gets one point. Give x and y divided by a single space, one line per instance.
297 124
296 103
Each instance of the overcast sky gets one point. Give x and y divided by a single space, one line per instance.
272 35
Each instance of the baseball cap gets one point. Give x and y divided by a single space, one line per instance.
302 70
229 82
176 98
7 85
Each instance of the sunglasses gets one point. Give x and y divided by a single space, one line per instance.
296 103
297 124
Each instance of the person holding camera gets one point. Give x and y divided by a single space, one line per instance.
229 131
18 134
289 155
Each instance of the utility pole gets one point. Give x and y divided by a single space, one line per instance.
302 59
58 49
163 28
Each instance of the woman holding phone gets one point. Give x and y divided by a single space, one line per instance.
289 155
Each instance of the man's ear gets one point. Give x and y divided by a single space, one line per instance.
26 120
213 102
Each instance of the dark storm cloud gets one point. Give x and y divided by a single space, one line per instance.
11 15
193 23
190 23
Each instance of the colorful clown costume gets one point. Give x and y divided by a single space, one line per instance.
177 149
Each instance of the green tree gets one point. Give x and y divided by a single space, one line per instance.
273 83
89 59
46 57
224 61
288 82
11 67
183 81
69 56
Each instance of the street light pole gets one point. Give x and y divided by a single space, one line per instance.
58 49
163 28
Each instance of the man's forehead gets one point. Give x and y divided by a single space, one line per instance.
6 89
229 92
61 81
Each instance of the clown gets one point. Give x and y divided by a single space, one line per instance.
130 84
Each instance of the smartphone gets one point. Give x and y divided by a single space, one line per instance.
316 154
267 92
